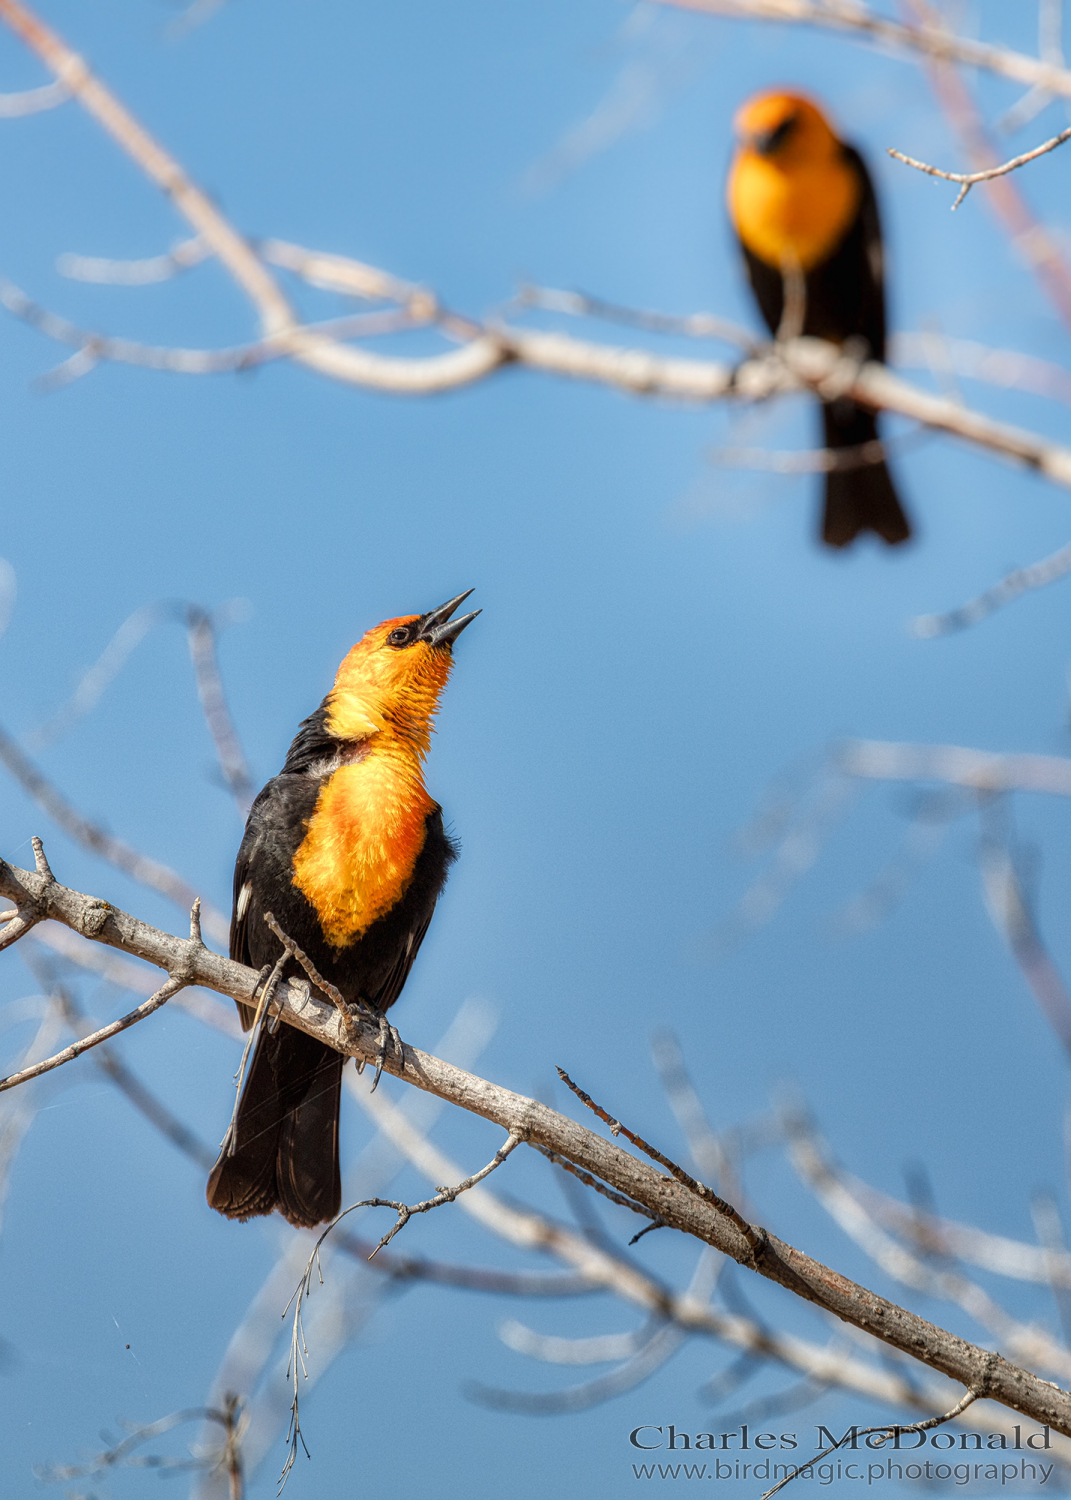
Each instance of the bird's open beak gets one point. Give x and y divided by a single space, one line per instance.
438 629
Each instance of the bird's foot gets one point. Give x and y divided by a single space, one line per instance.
387 1033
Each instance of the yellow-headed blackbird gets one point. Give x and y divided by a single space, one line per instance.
348 850
802 202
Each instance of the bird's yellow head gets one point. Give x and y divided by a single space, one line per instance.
785 128
792 191
389 683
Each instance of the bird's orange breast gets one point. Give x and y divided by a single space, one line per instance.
794 212
361 844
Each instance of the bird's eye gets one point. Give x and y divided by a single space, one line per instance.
399 637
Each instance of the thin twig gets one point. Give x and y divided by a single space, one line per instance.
890 1432
583 305
126 1081
32 101
145 272
1014 584
230 1418
201 633
177 982
600 1187
346 1012
1033 241
754 1237
298 1348
1011 910
467 1278
971 179
814 460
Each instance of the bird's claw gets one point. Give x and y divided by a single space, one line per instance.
387 1033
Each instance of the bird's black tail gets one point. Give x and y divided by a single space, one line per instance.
286 1134
860 497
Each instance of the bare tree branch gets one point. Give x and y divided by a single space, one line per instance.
640 1354
32 101
466 1278
39 895
927 41
990 1252
1014 584
154 268
129 1084
1011 911
106 964
967 180
201 633
978 770
528 1229
798 364
177 981
18 1112
1051 50
1039 248
582 305
1007 368
298 1348
124 1454
811 1159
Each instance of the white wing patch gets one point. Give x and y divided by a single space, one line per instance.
242 904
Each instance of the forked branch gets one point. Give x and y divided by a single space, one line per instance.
967 180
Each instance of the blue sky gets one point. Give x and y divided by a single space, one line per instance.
661 637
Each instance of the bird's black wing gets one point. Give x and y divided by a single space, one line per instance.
239 943
391 986
846 293
768 285
869 258
263 874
